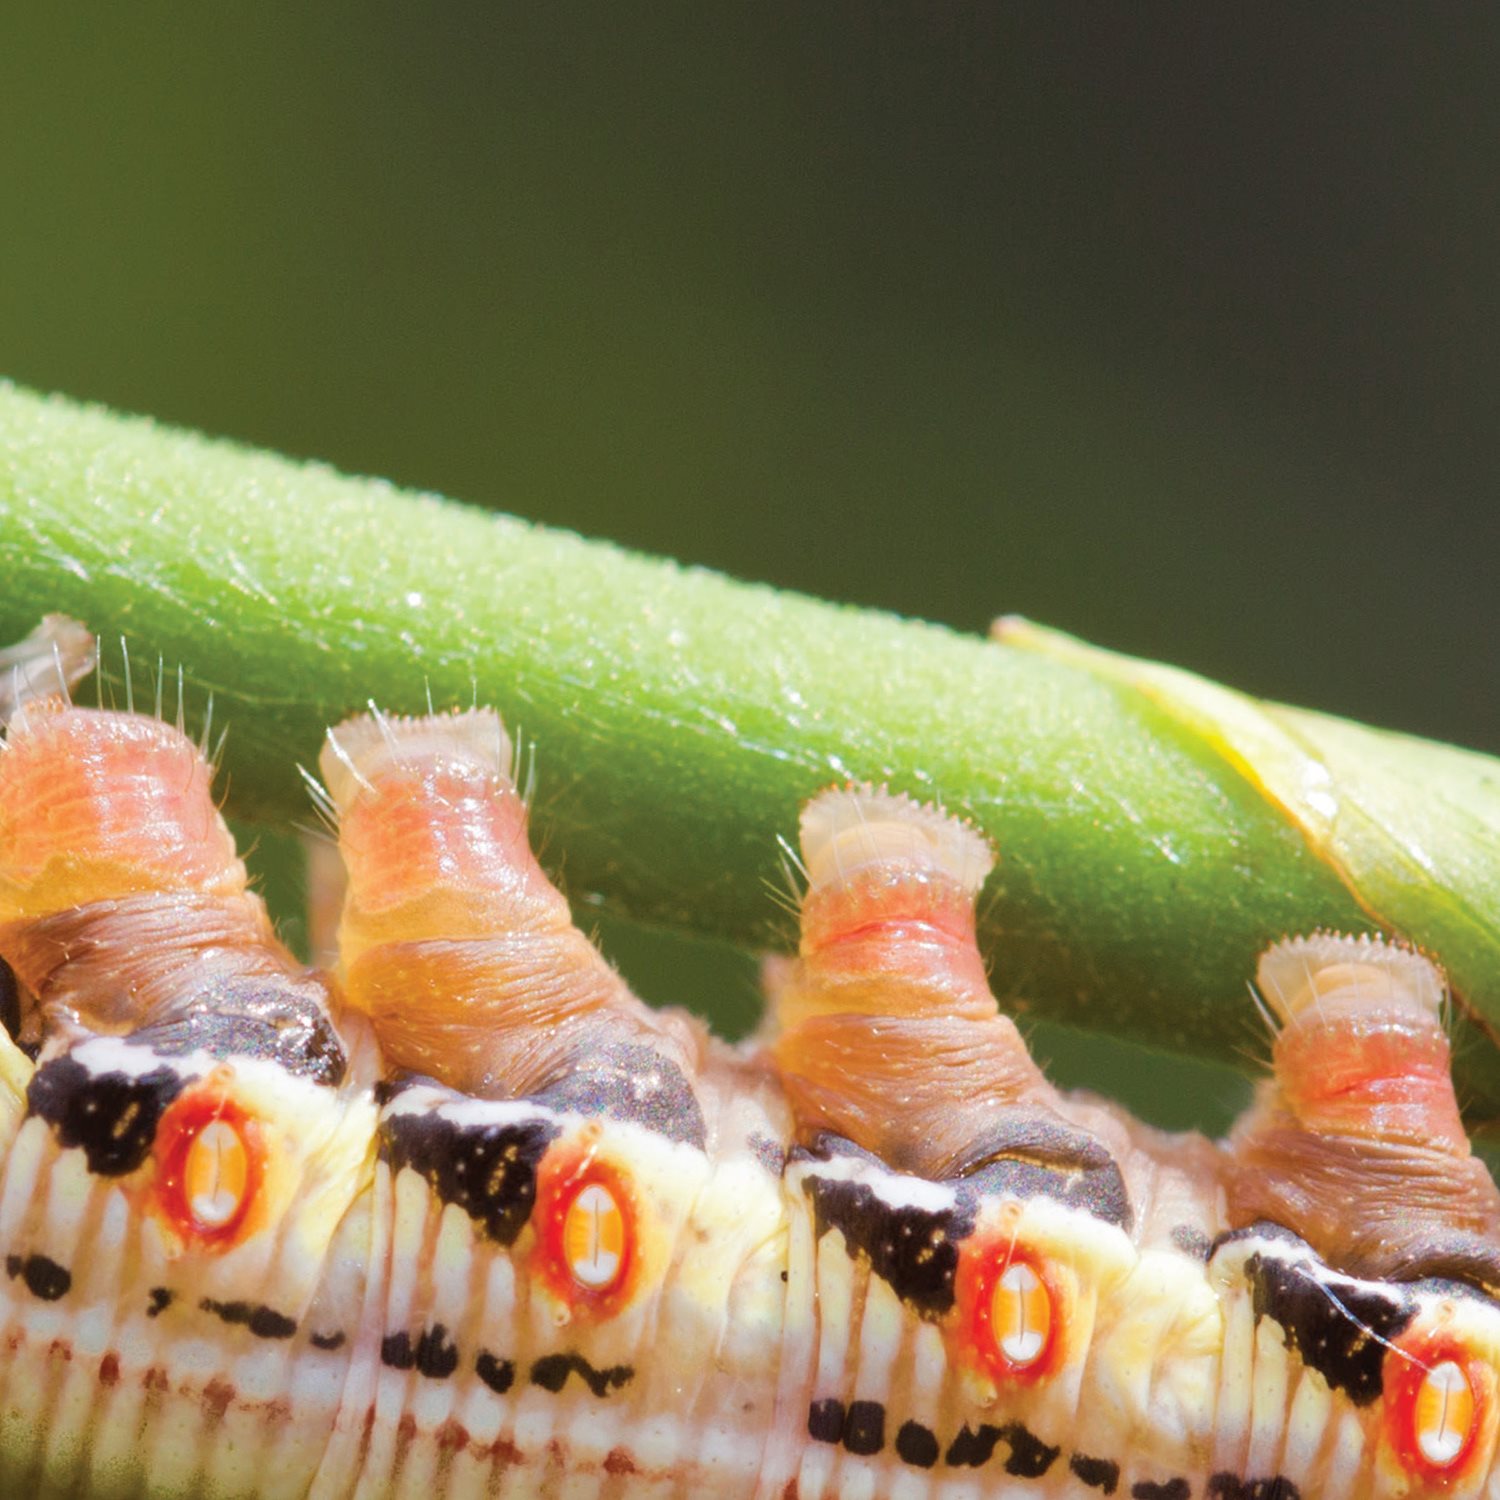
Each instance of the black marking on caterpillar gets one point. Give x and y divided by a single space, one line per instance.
161 1299
266 1017
1029 1457
1030 1156
972 1448
329 1341
1166 1489
1098 1473
43 1277
1230 1487
386 1089
498 1374
489 1171
825 1421
437 1356
551 1372
113 1116
433 1355
917 1445
914 1249
262 1321
1262 1229
1192 1241
864 1428
10 1002
770 1154
632 1082
1330 1318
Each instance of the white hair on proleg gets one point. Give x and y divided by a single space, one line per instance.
1273 1026
49 663
207 730
321 800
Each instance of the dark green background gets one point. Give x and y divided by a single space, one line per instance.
1176 329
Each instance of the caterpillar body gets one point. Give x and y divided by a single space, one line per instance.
461 1217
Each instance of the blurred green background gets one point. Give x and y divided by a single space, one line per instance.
1176 330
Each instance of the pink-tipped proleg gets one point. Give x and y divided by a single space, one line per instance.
889 1033
452 938
121 891
1357 1142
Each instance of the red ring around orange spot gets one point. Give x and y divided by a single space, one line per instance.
1437 1402
210 1162
586 1234
1014 1315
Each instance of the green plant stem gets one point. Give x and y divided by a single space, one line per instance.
679 720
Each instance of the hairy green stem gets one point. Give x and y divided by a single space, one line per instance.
1151 835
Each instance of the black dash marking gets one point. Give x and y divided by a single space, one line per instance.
262 1321
864 1428
631 1081
1097 1473
267 1323
1339 1325
825 1421
437 1355
1030 1457
1171 1489
498 1374
397 1352
434 1354
327 1340
970 1448
551 1372
1230 1487
914 1249
162 1297
917 1445
489 1171
112 1116
44 1278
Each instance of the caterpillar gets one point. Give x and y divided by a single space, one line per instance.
459 1215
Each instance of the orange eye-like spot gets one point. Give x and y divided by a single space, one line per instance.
588 1247
1443 1414
593 1238
1014 1324
1021 1315
216 1174
1439 1406
209 1159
